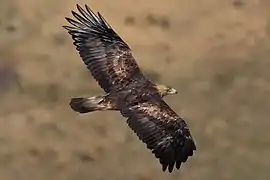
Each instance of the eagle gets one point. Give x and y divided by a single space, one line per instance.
126 90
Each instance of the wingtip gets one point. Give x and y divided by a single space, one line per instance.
90 11
68 19
164 167
170 168
78 6
178 164
167 168
73 13
68 28
180 156
87 7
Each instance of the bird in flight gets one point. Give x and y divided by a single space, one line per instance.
127 90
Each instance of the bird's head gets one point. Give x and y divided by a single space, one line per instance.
165 90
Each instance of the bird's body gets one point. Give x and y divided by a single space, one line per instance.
128 91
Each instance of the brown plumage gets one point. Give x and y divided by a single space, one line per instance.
128 91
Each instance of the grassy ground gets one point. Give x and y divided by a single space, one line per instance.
216 53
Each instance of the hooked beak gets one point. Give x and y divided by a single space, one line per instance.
173 91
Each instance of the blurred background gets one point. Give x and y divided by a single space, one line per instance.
214 52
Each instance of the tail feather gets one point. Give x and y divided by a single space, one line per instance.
86 105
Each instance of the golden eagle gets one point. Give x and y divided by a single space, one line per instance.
127 90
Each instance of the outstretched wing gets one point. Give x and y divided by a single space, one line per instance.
105 54
164 132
